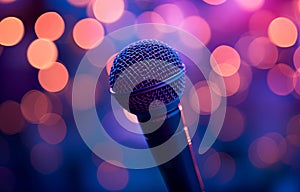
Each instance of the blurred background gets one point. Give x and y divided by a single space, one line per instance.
255 44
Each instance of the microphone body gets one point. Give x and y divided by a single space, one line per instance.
180 173
147 79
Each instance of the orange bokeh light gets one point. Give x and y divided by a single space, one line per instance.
108 11
11 118
281 79
50 26
41 53
11 31
203 100
251 5
225 60
232 84
79 3
52 128
54 78
88 33
283 32
262 53
198 27
35 105
214 2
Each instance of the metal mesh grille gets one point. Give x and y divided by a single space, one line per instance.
144 64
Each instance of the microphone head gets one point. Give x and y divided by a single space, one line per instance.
147 75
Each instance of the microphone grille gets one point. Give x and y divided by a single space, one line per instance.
145 64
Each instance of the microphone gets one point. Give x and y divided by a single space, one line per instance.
147 79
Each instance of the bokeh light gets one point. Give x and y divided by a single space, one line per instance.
262 53
35 105
267 150
46 158
49 25
11 118
188 8
204 101
211 165
7 1
88 33
242 46
52 128
296 58
54 78
281 79
215 2
11 31
280 142
41 53
198 27
297 81
150 17
79 3
283 32
225 60
234 125
171 14
128 18
259 22
227 169
112 177
108 11
293 130
7 179
152 31
232 84
251 5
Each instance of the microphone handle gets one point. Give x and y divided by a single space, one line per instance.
180 173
